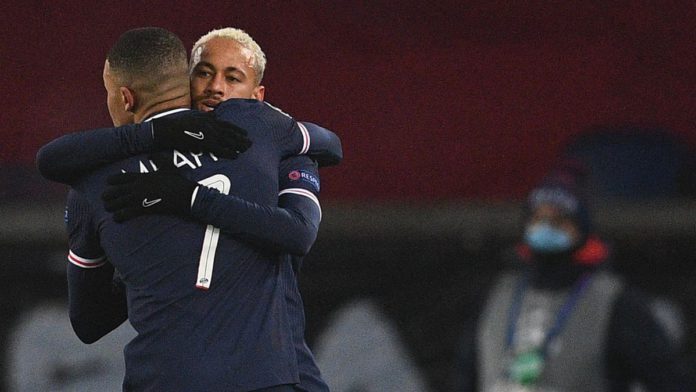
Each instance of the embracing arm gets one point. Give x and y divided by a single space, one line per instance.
71 156
68 157
291 227
288 230
325 146
292 136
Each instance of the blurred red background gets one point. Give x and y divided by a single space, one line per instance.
443 101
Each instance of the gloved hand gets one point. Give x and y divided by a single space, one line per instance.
129 195
196 131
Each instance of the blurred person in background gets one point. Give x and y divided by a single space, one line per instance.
560 320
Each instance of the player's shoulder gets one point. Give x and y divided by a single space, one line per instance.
245 106
268 106
258 117
299 162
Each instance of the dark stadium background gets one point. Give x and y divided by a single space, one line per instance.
448 111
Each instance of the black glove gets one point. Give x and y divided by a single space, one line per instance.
196 131
129 195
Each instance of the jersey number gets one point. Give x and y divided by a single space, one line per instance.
212 234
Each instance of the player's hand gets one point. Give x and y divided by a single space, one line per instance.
129 195
196 131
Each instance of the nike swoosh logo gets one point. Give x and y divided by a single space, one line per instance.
198 135
150 203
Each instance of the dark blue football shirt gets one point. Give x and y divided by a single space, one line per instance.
236 335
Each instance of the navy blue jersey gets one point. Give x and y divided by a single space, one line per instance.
310 375
97 302
237 334
74 155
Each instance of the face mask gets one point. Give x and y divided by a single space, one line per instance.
544 238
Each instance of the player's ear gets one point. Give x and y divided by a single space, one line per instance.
259 92
129 99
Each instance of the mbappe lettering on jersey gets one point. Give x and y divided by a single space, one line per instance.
189 159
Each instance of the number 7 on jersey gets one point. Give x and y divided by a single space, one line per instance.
212 234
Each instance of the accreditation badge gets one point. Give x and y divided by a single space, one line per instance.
526 368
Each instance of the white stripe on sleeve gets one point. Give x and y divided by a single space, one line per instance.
86 263
305 139
305 193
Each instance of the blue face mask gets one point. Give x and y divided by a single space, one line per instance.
545 238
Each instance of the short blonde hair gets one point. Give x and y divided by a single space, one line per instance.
241 37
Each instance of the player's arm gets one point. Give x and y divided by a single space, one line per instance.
97 300
305 138
325 146
291 227
291 136
69 157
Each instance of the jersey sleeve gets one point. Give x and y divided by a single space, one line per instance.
300 138
70 156
306 138
324 146
97 302
83 238
299 184
291 227
291 137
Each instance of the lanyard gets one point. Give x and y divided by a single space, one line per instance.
561 317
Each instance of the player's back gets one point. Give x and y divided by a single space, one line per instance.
233 336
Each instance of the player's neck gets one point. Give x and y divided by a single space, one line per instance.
162 105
